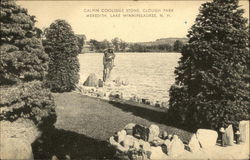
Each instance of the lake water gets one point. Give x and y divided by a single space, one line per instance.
150 75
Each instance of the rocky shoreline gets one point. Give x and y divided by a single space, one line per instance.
115 90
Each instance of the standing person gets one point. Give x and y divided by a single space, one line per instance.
108 63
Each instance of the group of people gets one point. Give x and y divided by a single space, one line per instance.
108 63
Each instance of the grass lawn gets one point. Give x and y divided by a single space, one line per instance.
84 125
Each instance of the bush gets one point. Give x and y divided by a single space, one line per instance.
22 57
211 88
62 46
28 101
23 67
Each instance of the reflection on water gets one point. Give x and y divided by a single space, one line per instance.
150 75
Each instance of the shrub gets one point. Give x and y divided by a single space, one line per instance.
28 101
62 46
211 88
22 57
23 67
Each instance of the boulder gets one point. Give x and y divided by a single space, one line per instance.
100 93
128 141
194 144
139 100
176 147
164 104
134 154
175 137
15 148
125 82
207 137
145 145
152 102
229 136
54 157
143 100
147 102
157 141
244 131
157 153
141 132
154 131
167 143
133 98
112 141
157 104
164 135
67 157
100 83
136 145
123 132
116 94
170 137
129 128
91 81
117 145
121 135
117 80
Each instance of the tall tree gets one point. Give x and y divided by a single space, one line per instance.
123 45
94 44
62 47
23 67
104 44
80 41
116 43
211 88
22 55
178 46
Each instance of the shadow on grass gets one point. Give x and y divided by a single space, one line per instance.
60 143
161 117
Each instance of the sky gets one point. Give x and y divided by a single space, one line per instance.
179 16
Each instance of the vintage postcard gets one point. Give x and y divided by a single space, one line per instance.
130 80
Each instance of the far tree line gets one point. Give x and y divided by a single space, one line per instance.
121 46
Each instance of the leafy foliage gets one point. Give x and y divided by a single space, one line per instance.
99 46
119 44
140 47
80 41
22 57
62 46
211 88
178 46
23 67
29 101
